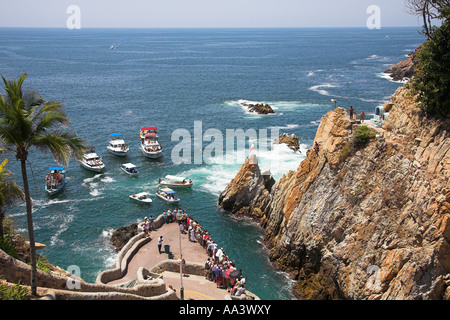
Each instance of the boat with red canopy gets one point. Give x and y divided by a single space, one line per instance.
150 145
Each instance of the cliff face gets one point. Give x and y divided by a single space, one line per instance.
407 68
368 224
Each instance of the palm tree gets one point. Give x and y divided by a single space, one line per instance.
27 122
9 192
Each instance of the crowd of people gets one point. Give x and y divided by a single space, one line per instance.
218 267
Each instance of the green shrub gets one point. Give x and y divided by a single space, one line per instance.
362 136
15 292
43 264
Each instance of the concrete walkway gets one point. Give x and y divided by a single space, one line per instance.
195 287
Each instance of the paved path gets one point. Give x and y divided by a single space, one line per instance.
195 287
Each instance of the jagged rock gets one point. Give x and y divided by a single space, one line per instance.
405 69
374 225
259 108
290 139
121 236
248 191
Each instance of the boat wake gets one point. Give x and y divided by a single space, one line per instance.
94 186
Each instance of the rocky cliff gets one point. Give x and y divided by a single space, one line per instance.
405 69
368 223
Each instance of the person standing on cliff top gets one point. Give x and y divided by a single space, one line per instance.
160 241
351 111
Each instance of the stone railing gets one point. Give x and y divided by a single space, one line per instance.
15 271
126 254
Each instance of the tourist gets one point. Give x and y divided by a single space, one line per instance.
219 254
351 111
192 234
219 275
183 265
363 116
152 223
165 217
160 241
240 291
145 231
208 268
182 228
213 272
147 227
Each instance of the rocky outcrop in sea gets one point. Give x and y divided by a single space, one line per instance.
254 107
291 140
365 224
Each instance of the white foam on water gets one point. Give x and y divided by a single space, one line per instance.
96 184
215 176
62 226
286 127
107 180
319 88
388 76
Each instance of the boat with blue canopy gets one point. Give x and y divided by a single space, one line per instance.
167 195
55 180
117 145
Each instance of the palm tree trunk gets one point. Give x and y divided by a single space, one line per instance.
30 227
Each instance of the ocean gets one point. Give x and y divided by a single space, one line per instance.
173 79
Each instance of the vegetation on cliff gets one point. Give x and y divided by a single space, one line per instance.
431 84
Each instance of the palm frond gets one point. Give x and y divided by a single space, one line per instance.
9 190
61 144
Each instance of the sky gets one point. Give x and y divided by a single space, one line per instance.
203 13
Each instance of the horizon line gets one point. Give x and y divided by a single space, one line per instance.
273 27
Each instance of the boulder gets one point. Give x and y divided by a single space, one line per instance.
290 139
259 108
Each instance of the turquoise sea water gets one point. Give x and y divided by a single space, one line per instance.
170 78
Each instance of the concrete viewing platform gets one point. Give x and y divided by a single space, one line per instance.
195 286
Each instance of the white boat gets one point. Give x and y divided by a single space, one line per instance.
55 180
92 162
167 195
149 142
143 197
117 145
175 182
129 169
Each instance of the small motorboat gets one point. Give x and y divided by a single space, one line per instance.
55 180
143 197
167 195
129 169
92 162
175 182
150 145
117 145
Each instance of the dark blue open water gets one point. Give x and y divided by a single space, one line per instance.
170 78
